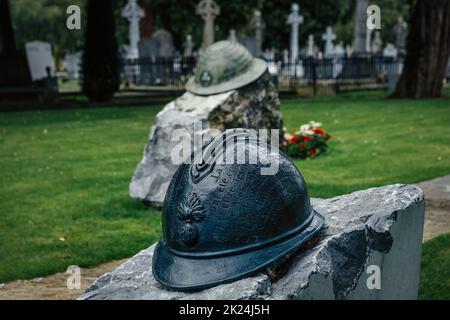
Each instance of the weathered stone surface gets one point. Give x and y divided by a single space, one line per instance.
255 106
379 226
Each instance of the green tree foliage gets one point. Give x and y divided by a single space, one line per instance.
100 59
45 20
180 19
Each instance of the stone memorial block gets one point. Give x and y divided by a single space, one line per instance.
39 56
369 248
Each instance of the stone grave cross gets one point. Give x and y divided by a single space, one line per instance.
310 48
294 19
188 46
232 36
258 25
328 37
208 10
133 13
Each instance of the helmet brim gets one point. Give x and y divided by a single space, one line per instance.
186 273
255 70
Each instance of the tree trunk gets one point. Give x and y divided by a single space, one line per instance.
428 49
6 29
100 59
14 69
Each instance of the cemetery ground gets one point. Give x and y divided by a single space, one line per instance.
65 174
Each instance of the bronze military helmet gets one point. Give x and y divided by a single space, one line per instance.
225 66
224 221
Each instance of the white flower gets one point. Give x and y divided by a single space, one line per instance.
304 128
287 136
315 124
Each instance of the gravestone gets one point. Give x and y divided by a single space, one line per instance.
148 48
359 35
188 47
133 13
348 50
273 65
123 51
157 56
328 37
338 64
208 10
377 43
258 26
390 51
311 49
368 39
285 56
232 35
294 19
164 43
39 56
392 65
369 248
250 44
72 64
14 69
339 50
254 106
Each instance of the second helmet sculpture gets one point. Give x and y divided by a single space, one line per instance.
223 221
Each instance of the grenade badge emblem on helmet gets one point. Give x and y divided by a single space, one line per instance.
224 221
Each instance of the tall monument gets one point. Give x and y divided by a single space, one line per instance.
208 10
258 25
294 19
133 13
328 37
359 35
400 33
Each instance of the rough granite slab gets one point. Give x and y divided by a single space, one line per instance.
378 226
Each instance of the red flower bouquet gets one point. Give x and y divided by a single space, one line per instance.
308 142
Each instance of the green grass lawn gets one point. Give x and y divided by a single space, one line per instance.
435 269
65 173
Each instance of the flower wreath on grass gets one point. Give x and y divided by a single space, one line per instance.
308 142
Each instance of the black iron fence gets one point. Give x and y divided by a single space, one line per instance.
175 71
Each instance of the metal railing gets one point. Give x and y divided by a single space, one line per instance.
175 71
